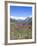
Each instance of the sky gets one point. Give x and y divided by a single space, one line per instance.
20 12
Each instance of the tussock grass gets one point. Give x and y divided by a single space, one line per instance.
20 33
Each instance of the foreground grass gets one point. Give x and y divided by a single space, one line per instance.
22 33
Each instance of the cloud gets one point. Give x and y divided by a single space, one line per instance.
22 18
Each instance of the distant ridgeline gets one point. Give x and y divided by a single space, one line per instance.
26 21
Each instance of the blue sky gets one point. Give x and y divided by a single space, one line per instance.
20 11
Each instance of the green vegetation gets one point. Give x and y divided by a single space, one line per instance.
20 32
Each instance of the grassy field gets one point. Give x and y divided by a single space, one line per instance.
20 32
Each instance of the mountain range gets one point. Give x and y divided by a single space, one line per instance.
28 20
